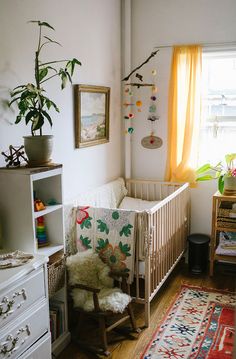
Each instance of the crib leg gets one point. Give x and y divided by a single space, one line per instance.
147 313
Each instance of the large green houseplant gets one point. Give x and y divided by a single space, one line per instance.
34 105
224 172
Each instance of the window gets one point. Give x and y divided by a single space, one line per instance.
218 127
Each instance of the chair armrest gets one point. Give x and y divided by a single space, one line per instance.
95 292
118 274
84 287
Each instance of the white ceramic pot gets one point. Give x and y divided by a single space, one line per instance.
38 149
230 186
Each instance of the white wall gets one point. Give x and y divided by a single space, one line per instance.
90 31
168 22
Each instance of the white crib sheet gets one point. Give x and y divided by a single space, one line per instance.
136 204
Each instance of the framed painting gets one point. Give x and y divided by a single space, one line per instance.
92 105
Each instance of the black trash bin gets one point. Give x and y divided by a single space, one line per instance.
198 252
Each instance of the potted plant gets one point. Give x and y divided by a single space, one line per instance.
225 173
33 103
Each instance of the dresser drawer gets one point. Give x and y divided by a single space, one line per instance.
40 350
18 298
32 325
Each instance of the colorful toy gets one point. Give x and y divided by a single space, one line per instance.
41 232
38 205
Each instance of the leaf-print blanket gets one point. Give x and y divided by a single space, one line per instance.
110 233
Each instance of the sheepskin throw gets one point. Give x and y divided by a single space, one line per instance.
88 269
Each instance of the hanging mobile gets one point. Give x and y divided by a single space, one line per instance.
152 141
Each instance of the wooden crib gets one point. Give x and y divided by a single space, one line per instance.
165 227
161 231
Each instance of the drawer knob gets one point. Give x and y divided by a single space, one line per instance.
9 346
6 306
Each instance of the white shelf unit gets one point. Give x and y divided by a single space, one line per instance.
18 218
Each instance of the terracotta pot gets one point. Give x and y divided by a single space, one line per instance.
230 186
38 149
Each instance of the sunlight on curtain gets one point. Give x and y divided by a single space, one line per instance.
184 113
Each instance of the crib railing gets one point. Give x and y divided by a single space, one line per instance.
166 229
150 190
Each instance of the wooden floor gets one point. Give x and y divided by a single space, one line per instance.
224 278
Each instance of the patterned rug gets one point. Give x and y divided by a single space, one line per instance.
199 324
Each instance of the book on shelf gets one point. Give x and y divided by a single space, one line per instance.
227 244
57 315
53 324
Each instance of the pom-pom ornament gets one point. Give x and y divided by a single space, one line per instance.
154 89
152 108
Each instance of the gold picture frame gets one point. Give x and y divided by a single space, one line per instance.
92 105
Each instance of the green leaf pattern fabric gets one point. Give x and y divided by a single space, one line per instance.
110 233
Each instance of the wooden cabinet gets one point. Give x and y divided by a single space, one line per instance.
24 311
221 223
20 224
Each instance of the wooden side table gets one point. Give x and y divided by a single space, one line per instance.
220 226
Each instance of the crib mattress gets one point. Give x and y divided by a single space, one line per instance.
136 204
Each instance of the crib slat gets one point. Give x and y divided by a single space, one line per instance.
168 231
156 246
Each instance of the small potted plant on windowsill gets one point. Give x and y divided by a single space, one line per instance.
225 174
33 103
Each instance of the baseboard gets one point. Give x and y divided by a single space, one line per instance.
61 343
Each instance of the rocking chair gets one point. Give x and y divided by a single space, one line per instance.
94 296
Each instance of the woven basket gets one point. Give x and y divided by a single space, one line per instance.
226 224
56 273
224 212
224 219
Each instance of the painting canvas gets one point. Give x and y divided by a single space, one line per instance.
91 115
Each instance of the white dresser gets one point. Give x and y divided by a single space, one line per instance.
24 312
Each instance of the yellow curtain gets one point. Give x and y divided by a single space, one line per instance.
184 113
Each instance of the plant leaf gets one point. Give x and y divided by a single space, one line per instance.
70 66
229 158
76 61
51 68
205 178
12 101
43 73
47 117
29 116
63 79
203 168
50 103
68 76
17 92
38 123
221 184
18 119
53 41
44 23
